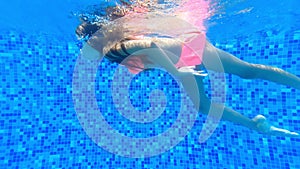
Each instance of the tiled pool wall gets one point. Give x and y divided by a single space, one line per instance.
40 129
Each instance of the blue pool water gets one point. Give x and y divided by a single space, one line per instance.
39 127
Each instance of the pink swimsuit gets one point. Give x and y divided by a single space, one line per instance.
191 55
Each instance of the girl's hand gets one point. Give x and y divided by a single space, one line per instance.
185 72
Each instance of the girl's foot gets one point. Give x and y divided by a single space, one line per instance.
264 127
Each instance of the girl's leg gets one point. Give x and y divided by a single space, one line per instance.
228 114
204 103
233 65
258 123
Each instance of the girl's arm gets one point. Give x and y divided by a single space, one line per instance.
154 54
157 56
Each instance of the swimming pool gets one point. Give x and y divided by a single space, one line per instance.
39 124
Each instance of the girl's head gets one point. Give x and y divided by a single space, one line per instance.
104 35
85 30
100 37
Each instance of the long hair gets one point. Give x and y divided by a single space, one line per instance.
86 29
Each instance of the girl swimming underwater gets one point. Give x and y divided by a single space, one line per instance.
140 52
